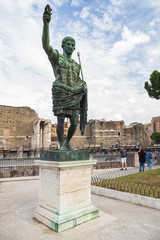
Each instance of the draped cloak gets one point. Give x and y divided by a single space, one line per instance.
69 92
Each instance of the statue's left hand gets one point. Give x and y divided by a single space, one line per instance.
84 87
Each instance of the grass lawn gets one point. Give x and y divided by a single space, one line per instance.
144 183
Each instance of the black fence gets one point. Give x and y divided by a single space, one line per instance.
130 187
18 167
112 181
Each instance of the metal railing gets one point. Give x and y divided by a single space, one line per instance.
111 180
130 187
18 167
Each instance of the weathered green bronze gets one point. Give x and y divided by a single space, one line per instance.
69 92
61 156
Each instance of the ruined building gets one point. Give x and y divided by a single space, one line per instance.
155 124
107 133
41 135
137 134
16 126
21 130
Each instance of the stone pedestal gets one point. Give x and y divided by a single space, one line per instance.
132 159
64 189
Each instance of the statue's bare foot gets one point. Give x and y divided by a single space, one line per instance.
68 146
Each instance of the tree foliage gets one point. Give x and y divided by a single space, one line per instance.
153 88
155 136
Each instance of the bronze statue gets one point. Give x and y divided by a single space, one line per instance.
69 92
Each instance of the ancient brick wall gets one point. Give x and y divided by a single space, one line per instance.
99 132
15 125
107 133
108 164
137 133
155 124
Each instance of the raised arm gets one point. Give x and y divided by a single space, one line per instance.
45 34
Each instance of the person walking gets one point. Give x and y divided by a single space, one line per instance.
149 157
142 159
123 159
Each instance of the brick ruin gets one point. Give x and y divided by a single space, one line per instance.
107 133
155 124
23 132
16 125
99 132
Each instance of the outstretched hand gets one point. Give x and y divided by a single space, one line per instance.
47 14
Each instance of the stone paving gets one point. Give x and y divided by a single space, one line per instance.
118 220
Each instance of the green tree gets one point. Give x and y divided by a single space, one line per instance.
153 88
155 136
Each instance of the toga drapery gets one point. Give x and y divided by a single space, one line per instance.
69 92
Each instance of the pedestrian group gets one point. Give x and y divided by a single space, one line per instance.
143 157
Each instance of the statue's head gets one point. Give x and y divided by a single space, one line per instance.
67 38
68 44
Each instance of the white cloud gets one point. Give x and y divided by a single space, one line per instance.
154 4
116 60
104 24
117 2
76 2
85 12
72 26
58 3
128 42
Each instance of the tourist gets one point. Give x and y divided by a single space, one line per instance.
142 159
149 157
117 145
123 159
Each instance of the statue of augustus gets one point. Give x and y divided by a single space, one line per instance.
69 92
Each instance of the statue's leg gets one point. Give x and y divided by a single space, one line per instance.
60 128
71 130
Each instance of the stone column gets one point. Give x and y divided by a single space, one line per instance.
47 134
132 159
64 189
36 133
1 152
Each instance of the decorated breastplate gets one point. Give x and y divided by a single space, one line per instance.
67 71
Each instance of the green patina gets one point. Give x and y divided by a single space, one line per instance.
65 224
69 92
61 156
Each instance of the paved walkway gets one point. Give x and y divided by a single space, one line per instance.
118 220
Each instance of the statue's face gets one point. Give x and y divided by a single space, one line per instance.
69 46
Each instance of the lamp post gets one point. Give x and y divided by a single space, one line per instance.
88 141
28 145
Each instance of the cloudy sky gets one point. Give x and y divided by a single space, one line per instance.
119 45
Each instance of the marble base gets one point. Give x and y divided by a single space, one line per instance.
65 194
63 222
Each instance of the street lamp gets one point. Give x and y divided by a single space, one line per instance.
28 145
88 141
